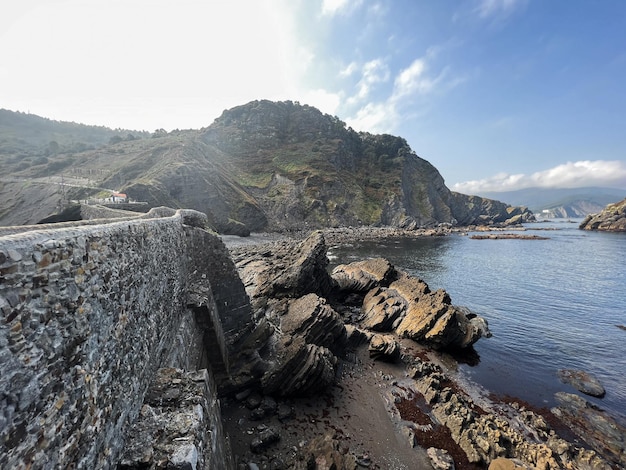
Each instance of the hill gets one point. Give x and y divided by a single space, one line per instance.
262 166
561 202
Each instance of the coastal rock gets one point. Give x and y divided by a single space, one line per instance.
583 382
434 321
299 369
593 425
440 459
611 219
508 464
382 309
384 347
402 303
314 320
362 276
488 432
284 269
264 439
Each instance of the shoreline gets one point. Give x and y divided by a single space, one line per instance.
499 408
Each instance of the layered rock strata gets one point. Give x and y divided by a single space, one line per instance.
611 219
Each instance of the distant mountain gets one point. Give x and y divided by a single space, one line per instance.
560 202
262 166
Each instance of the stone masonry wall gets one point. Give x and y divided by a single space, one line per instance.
88 314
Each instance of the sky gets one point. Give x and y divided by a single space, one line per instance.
497 94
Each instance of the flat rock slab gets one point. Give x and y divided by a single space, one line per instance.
582 381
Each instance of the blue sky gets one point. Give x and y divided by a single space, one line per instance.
497 94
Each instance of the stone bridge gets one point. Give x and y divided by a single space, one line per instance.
111 334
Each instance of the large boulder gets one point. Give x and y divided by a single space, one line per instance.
582 381
299 369
400 303
313 319
284 269
362 276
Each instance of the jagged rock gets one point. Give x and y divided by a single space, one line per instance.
382 309
313 319
484 436
267 407
582 381
299 369
440 459
384 347
357 336
297 332
593 425
434 321
362 276
611 219
514 432
284 269
400 302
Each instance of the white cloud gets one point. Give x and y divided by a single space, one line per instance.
567 175
410 83
349 69
375 118
412 80
373 72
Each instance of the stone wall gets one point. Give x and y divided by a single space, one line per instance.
88 314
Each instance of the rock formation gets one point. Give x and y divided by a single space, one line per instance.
611 219
582 381
398 302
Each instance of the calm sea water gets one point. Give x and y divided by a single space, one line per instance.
551 304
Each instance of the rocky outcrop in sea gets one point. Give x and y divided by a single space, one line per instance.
611 219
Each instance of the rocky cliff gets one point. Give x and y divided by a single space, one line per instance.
262 166
611 219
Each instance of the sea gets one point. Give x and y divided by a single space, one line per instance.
552 304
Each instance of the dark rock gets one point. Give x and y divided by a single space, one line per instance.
284 412
382 309
313 319
253 401
284 269
582 381
264 439
267 407
300 369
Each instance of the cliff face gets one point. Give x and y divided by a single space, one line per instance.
611 219
269 166
305 169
